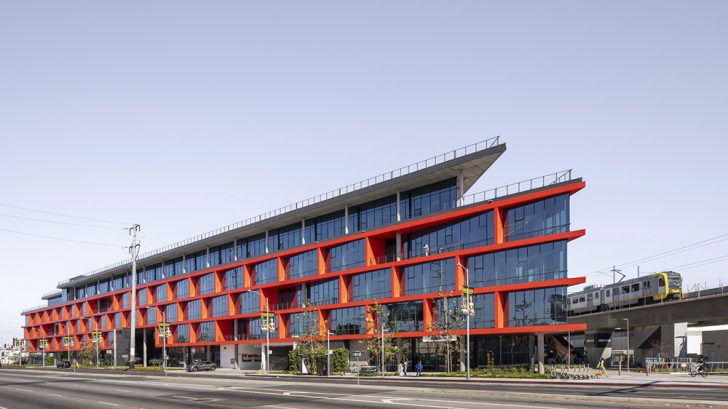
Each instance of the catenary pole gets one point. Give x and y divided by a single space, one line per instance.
134 251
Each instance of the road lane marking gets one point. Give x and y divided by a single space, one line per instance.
24 390
123 390
56 395
107 403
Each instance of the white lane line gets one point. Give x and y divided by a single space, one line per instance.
56 395
274 406
24 390
107 403
508 405
123 390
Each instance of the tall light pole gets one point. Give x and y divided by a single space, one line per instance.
134 251
97 340
466 309
382 331
328 352
267 330
164 328
627 319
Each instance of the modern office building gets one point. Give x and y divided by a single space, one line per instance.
404 240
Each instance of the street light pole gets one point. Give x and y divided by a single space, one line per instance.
467 321
96 337
328 353
382 326
627 319
164 342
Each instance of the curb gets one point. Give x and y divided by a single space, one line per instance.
337 379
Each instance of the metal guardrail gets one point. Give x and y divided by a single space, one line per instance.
405 170
518 187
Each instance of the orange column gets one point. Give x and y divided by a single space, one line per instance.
498 301
321 261
369 318
281 270
499 226
247 279
427 314
459 273
369 252
344 289
396 290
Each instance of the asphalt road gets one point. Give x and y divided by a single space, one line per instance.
21 389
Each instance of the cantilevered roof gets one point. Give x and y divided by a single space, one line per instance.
471 161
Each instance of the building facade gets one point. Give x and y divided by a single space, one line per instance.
403 243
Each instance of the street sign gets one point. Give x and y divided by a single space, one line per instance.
469 290
435 338
356 354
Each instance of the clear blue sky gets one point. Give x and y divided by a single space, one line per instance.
186 116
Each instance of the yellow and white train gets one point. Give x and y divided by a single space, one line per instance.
657 287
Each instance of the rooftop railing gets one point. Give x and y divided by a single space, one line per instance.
405 170
518 187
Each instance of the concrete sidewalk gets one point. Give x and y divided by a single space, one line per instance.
625 379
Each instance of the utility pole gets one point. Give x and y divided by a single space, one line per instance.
616 271
134 251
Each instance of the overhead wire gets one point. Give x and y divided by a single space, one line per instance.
61 238
678 250
58 222
65 215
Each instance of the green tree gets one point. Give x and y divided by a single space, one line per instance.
380 319
448 318
311 343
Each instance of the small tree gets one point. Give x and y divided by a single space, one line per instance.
88 353
448 319
379 319
311 343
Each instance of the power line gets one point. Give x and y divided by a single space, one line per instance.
700 263
688 247
64 215
61 238
57 222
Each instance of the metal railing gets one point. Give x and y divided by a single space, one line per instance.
518 187
405 170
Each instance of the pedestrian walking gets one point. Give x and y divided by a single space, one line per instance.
400 369
601 371
404 368
418 368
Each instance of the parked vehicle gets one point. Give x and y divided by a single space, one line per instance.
201 366
63 364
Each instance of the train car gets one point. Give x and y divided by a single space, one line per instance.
657 287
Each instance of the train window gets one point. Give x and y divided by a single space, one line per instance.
596 295
607 293
582 299
646 284
661 281
625 289
635 287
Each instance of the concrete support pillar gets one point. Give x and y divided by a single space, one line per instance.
144 347
460 188
208 350
540 352
346 220
186 356
303 231
398 243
